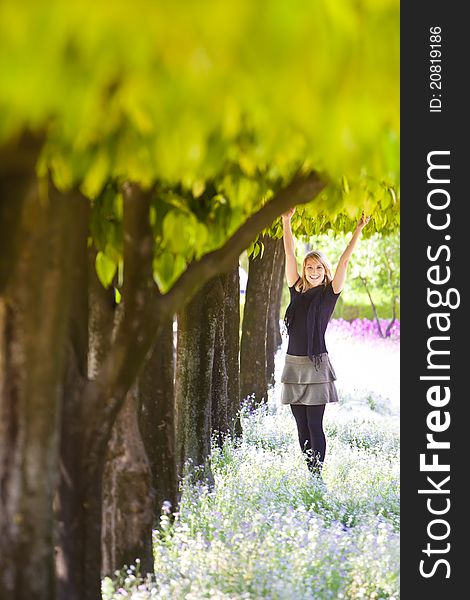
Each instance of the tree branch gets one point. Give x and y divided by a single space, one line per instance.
131 339
374 308
302 189
138 246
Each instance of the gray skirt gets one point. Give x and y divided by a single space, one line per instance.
307 382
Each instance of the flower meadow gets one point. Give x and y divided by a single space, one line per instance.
268 529
365 328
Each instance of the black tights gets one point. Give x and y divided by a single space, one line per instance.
309 419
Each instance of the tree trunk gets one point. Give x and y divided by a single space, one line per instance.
219 401
127 488
157 419
197 324
128 503
34 309
17 180
394 316
102 402
231 286
374 308
102 317
274 338
394 295
69 508
253 379
70 542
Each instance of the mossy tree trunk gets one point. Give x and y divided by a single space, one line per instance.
102 402
34 309
157 418
197 330
83 362
127 493
17 181
219 400
70 541
231 285
102 317
226 371
128 497
274 338
140 469
92 407
253 357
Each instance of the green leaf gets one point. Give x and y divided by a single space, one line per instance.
105 268
96 176
180 231
250 249
201 236
167 268
164 266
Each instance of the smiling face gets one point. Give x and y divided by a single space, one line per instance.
314 272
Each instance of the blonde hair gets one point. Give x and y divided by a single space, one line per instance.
303 285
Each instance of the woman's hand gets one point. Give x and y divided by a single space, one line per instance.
287 216
362 221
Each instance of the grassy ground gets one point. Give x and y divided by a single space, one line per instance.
267 529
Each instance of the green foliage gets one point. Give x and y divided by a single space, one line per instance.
200 84
376 269
106 223
218 103
182 231
167 268
356 305
105 269
376 260
255 249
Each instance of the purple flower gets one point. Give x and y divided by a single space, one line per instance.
362 328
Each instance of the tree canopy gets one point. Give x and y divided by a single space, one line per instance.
218 104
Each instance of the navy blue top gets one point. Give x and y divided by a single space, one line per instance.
309 310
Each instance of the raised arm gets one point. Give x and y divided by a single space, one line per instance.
292 273
340 274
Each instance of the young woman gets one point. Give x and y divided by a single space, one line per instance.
308 376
